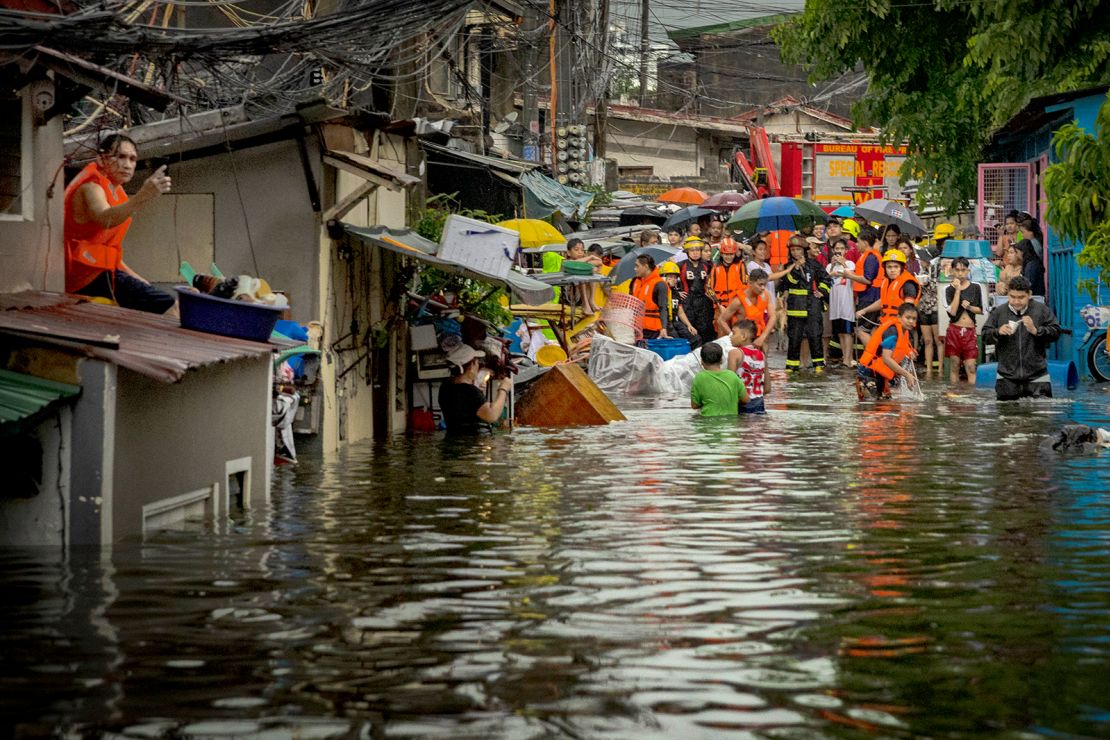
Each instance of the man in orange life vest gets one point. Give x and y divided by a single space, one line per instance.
649 287
753 303
880 365
97 215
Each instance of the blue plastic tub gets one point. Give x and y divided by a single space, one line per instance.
1063 374
240 319
668 348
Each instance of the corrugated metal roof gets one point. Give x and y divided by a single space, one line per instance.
24 396
151 345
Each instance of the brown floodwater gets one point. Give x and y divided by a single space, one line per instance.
831 569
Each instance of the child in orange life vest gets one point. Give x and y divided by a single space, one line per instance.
748 361
880 366
753 303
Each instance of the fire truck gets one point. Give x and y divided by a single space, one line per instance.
833 171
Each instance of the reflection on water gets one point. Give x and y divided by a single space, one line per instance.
830 569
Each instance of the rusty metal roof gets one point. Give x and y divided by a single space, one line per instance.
151 345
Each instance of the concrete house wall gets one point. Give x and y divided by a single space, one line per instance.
168 445
354 285
671 150
31 253
40 519
258 197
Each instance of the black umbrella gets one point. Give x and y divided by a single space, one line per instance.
888 212
639 214
627 265
682 218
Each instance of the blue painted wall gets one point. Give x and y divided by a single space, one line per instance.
1064 272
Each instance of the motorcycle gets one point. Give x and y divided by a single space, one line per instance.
1095 345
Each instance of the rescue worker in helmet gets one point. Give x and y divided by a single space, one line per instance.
729 276
806 286
880 366
897 287
695 316
650 287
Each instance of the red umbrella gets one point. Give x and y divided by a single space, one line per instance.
685 196
728 201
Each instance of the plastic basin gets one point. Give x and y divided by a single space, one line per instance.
668 348
1063 374
239 319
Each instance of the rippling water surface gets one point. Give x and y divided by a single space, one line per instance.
831 569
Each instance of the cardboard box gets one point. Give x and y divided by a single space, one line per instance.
483 247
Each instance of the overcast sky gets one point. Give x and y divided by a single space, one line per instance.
670 14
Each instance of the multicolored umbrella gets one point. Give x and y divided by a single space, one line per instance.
776 214
888 212
682 218
685 196
727 201
533 232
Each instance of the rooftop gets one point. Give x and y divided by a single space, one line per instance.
150 345
728 26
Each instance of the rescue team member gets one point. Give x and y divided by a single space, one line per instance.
649 287
898 287
729 276
696 315
806 287
755 304
880 365
1021 331
866 279
97 216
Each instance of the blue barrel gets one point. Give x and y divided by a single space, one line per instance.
668 348
1063 373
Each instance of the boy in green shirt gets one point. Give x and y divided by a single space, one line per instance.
715 391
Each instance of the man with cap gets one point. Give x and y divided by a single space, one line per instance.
696 307
464 405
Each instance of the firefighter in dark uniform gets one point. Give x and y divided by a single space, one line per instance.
694 320
806 288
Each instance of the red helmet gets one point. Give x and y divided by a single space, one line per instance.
728 246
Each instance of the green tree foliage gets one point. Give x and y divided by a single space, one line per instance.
1078 188
476 297
945 74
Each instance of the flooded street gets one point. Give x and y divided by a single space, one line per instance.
831 569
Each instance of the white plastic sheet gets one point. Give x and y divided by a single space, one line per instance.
619 368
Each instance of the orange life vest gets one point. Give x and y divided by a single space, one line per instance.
757 311
873 355
91 249
891 293
877 282
728 283
644 289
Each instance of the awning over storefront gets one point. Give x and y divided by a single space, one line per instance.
540 195
524 289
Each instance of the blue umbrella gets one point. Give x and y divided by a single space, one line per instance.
845 212
776 214
682 218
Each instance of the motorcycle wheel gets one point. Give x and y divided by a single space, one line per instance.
1098 361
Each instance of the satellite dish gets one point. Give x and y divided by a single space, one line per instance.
502 127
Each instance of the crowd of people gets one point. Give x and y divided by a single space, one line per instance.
849 296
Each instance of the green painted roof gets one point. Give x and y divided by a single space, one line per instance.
738 25
24 396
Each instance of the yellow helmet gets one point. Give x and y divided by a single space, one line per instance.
894 255
943 231
693 241
852 227
668 268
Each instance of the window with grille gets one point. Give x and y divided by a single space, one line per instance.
14 160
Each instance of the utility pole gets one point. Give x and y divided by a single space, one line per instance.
644 11
533 25
601 105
